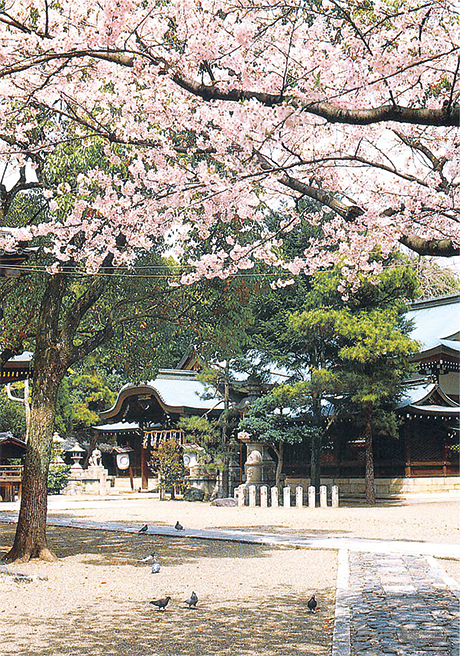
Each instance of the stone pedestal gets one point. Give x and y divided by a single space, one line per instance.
335 496
202 479
87 481
299 496
323 496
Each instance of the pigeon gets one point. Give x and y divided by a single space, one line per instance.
178 527
147 558
312 603
161 603
144 529
192 600
155 565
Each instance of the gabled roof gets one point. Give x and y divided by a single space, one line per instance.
8 438
18 367
429 400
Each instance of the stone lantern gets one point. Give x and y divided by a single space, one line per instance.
76 454
259 467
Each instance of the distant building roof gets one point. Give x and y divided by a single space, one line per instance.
435 321
176 392
428 399
8 438
184 390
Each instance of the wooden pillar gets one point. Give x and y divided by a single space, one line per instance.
144 467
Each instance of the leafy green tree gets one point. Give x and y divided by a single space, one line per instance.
167 461
369 348
12 416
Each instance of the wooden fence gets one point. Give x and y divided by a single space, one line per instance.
10 481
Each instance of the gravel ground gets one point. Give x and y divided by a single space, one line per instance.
252 599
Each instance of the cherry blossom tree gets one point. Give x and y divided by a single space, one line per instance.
227 106
209 113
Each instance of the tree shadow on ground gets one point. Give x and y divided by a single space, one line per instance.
270 619
117 548
279 626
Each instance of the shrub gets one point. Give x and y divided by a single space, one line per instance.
58 475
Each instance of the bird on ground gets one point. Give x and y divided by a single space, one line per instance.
312 604
178 527
192 600
155 565
161 603
147 558
144 529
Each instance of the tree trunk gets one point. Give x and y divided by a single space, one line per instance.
279 465
315 461
316 444
49 368
369 482
30 539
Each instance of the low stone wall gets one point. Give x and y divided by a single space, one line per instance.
387 487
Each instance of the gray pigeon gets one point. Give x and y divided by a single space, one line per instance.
178 527
161 603
144 529
155 565
147 558
192 600
312 604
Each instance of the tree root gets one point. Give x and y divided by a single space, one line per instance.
41 554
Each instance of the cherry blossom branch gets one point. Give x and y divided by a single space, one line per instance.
447 116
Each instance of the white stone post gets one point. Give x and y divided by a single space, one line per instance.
311 496
299 496
335 496
274 500
323 496
240 493
287 496
103 484
263 496
252 496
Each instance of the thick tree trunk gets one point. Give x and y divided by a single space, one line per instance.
49 368
369 482
30 539
55 351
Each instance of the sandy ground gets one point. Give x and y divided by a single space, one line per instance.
252 598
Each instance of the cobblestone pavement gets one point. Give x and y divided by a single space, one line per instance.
400 605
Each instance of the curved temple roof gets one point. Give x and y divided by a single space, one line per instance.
176 392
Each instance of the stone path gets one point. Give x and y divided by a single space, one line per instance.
395 605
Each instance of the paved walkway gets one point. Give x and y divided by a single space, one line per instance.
392 596
398 605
